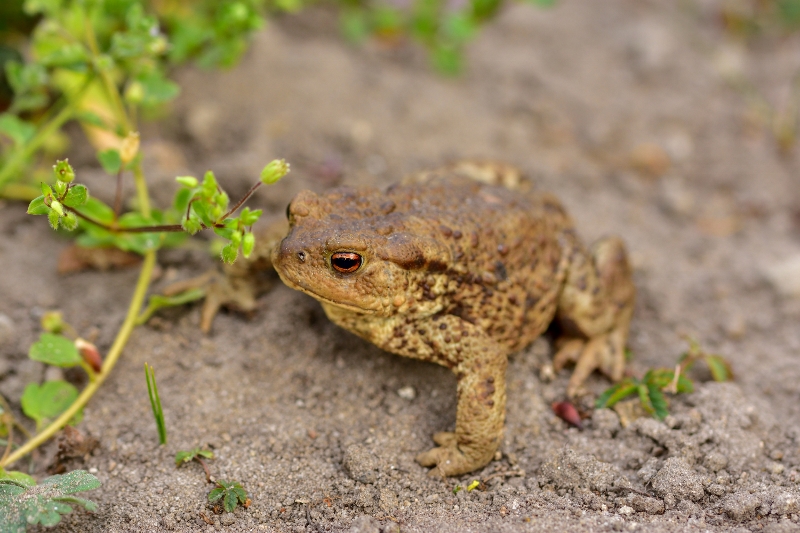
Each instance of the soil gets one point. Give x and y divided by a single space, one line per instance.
628 112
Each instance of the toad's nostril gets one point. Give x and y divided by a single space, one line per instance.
301 256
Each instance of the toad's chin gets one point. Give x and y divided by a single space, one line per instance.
302 288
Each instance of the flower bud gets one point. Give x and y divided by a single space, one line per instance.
90 354
274 171
64 171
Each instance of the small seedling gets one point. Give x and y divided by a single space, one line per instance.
23 502
155 403
655 382
649 389
456 489
231 493
474 485
195 454
719 367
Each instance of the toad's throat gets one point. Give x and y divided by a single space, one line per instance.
302 288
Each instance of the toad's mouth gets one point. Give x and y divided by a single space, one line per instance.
302 288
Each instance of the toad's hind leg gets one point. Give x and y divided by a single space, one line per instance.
594 311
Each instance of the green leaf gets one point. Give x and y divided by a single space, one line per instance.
241 494
685 384
68 55
719 367
155 403
47 401
98 210
16 129
55 350
615 393
158 302
216 494
23 504
72 482
37 207
249 217
25 78
201 209
230 501
187 181
658 401
660 377
50 7
644 398
157 89
184 457
20 478
111 160
181 200
76 196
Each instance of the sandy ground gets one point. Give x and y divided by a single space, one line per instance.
621 108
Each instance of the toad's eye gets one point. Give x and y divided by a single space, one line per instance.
346 262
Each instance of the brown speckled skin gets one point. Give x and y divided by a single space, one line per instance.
461 272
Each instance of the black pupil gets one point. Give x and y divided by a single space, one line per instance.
346 262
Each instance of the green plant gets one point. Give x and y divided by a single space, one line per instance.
155 403
231 493
115 61
195 454
648 389
104 63
443 27
23 502
651 388
718 366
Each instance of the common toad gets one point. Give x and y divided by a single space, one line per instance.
461 266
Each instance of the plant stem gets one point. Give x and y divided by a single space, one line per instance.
113 356
19 156
108 84
243 200
205 468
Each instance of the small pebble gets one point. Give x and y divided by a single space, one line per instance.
785 276
407 393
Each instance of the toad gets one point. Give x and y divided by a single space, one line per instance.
460 266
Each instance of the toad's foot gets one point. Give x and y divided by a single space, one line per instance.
605 353
447 459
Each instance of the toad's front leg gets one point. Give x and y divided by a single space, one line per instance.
480 366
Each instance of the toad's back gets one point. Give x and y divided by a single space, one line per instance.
507 247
